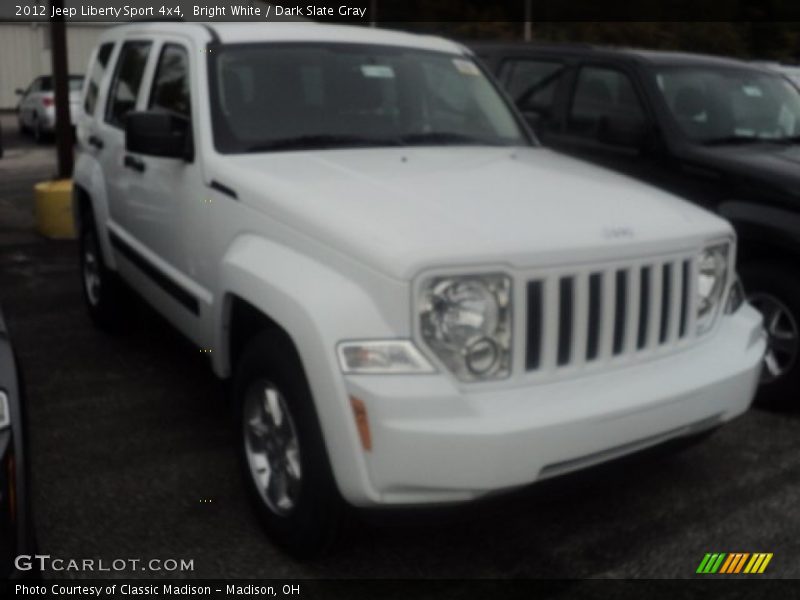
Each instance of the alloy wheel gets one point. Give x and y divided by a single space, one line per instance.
272 447
783 336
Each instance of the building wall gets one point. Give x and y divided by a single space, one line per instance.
25 54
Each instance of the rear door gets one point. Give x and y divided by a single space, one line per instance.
123 94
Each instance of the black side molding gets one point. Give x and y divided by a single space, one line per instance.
223 189
170 286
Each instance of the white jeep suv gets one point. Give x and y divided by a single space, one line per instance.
416 302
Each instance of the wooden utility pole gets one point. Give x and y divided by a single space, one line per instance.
528 29
58 53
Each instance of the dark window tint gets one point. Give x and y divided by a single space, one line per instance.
602 95
45 84
171 84
96 76
532 83
127 79
270 97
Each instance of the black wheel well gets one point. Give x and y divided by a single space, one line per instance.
246 322
83 204
752 250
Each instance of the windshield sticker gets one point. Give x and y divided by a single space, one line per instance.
752 91
381 71
466 67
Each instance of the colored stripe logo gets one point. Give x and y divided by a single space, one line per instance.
734 563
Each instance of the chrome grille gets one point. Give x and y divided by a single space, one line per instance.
577 317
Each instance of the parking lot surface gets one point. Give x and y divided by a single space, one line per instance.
132 456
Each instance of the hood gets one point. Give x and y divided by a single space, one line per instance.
404 209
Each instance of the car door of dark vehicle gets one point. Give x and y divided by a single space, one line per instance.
607 120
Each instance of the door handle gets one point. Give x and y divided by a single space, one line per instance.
96 142
131 162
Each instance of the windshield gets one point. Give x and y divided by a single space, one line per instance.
299 96
723 105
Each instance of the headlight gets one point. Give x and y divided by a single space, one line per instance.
466 321
712 272
5 414
382 357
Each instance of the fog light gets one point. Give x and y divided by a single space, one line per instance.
482 356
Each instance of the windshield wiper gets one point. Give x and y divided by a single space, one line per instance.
444 138
305 142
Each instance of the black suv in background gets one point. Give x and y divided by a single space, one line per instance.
722 133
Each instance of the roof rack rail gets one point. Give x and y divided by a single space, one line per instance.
212 32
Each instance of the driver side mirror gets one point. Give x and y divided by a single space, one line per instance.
163 134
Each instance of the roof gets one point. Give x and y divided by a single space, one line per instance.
296 31
654 57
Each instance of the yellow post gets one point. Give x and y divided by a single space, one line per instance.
53 209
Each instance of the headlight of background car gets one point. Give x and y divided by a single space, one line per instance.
466 322
5 414
712 276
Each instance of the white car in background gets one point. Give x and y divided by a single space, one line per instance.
37 108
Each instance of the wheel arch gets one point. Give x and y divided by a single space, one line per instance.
764 232
89 193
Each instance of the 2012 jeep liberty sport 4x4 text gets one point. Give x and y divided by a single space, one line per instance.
414 301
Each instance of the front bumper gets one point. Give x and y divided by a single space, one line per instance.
433 442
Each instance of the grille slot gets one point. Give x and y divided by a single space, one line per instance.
535 316
603 314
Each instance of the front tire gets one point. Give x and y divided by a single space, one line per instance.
775 291
102 291
281 450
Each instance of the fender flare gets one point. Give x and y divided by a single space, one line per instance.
88 179
763 224
315 305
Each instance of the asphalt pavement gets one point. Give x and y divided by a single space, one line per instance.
132 456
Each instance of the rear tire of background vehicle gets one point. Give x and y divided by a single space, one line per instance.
105 297
281 448
775 291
